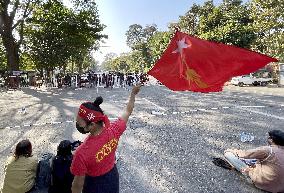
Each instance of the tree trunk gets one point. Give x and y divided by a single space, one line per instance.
64 69
12 52
80 68
72 67
41 72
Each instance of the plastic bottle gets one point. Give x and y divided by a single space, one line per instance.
250 137
246 137
243 137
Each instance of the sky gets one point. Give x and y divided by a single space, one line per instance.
118 15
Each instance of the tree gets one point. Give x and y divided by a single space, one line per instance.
58 35
13 15
89 63
189 22
228 23
89 27
136 62
47 33
134 36
3 64
93 64
107 63
125 62
157 45
27 63
268 19
121 63
137 38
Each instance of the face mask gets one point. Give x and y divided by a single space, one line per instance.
81 129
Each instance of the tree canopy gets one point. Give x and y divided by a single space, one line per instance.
268 23
47 34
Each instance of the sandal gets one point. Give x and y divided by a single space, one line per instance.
222 163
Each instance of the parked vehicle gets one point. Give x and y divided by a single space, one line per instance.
250 80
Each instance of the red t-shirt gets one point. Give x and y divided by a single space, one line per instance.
96 156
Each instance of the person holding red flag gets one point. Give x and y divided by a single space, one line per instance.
93 164
190 63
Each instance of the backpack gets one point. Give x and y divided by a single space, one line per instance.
43 177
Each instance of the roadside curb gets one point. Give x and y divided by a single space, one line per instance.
275 86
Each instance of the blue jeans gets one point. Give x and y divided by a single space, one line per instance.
238 163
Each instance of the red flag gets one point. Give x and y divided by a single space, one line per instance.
190 63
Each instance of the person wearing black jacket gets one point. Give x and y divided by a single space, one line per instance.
61 177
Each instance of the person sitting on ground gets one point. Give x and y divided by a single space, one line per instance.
20 170
94 161
263 165
61 177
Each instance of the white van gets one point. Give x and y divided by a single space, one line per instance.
250 80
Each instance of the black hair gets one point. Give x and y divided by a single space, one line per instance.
95 106
23 148
277 137
64 148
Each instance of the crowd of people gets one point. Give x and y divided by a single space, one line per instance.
106 80
89 79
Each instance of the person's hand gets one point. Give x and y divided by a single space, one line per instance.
136 89
246 170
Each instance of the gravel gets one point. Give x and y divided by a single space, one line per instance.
158 153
